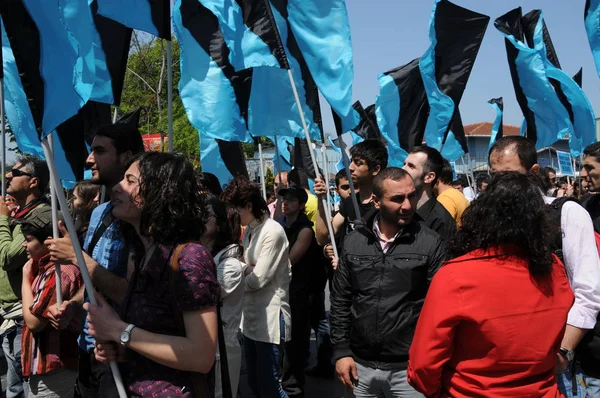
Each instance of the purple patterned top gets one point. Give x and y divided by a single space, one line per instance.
150 308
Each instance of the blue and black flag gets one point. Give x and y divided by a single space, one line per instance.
215 96
367 126
248 30
152 16
456 34
224 159
553 103
591 17
497 127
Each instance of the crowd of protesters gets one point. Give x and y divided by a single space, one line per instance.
432 294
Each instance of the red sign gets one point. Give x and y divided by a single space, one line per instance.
152 142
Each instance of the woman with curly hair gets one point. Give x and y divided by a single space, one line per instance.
168 322
266 309
494 317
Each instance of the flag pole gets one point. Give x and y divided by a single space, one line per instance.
262 171
85 275
470 170
55 234
3 124
115 114
326 176
346 162
278 159
314 162
170 94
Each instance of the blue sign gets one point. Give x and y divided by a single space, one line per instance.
454 177
564 163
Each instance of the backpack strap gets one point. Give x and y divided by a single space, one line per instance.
202 382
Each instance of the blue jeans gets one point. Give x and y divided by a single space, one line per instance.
11 345
263 363
592 387
571 381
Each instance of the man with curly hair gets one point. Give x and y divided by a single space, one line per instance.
105 251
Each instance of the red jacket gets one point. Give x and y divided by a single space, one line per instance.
488 330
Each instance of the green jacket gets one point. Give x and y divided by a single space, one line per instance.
12 259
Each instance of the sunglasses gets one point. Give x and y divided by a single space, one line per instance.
345 187
20 173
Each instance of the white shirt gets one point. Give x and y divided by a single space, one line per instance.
231 278
267 286
383 241
582 263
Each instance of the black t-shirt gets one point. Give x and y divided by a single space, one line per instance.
349 214
591 203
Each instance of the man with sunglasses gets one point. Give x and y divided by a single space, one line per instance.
27 184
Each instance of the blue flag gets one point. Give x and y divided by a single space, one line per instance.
592 28
547 120
72 68
212 161
152 16
283 156
497 127
215 97
387 111
322 30
273 110
340 165
21 120
250 33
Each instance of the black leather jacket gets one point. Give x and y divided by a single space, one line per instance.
377 297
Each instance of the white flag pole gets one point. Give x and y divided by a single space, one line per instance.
55 234
170 94
314 162
3 143
89 287
262 171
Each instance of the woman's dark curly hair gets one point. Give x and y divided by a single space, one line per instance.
228 221
240 191
511 211
172 208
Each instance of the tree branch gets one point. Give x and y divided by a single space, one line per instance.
142 79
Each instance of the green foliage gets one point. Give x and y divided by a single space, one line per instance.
145 87
269 178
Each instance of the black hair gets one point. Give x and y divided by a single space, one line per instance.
458 181
299 177
550 169
39 234
172 207
510 211
593 150
123 137
446 175
241 191
373 152
523 146
341 175
87 191
39 169
482 179
389 173
228 222
210 183
434 163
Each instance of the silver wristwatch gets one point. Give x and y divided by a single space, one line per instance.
126 335
569 354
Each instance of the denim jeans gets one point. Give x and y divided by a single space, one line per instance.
592 387
263 363
379 383
11 345
571 382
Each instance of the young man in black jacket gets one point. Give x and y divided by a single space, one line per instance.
385 268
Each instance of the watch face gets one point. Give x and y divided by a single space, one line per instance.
124 337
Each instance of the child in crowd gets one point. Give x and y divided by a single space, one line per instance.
49 356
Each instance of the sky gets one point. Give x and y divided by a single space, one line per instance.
391 33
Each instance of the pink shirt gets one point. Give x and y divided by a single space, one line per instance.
385 243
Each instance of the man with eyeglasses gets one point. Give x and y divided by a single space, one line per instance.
27 184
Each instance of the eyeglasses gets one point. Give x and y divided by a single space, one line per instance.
20 173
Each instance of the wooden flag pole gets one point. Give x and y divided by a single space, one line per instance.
262 171
314 162
3 143
85 275
55 234
170 94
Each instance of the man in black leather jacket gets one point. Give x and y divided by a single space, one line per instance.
385 268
